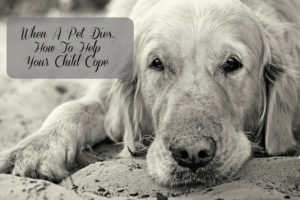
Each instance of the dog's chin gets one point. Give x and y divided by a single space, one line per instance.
165 170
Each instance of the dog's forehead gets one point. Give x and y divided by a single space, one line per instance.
202 25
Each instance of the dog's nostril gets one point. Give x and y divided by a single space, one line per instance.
203 154
184 154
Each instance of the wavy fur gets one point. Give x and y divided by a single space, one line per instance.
279 78
259 105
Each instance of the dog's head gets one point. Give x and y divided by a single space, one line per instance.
208 76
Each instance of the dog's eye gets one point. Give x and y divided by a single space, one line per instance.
157 64
232 64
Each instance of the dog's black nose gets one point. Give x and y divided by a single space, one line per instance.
193 152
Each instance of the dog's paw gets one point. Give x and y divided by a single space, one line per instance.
42 156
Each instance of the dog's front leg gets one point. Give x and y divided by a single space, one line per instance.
49 152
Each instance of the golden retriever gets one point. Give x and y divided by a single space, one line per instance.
213 80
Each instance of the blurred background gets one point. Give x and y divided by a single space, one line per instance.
24 103
49 7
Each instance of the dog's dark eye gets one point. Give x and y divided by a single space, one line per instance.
157 64
232 64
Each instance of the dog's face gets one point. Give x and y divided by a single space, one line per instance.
198 64
207 73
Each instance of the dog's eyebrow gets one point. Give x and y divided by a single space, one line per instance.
236 44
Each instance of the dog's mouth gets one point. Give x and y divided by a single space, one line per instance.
168 171
205 176
177 175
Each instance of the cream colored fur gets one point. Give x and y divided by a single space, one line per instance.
257 105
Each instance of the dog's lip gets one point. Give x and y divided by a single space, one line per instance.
179 169
193 166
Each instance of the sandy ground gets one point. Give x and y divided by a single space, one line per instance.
24 104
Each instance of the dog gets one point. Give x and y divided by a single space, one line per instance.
214 82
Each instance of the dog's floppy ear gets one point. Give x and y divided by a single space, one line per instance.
126 118
281 102
280 93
